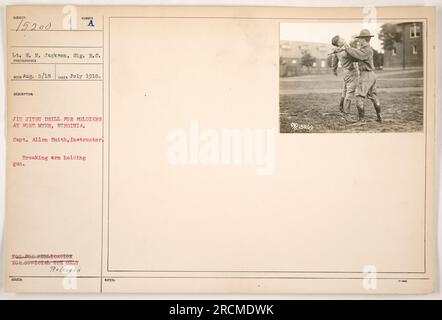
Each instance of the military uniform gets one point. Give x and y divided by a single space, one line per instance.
366 87
367 81
350 76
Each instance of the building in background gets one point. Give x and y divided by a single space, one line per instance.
299 57
408 52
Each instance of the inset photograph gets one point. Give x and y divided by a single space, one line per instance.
351 77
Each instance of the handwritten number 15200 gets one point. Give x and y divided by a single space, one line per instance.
32 26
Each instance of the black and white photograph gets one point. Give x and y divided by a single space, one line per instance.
351 76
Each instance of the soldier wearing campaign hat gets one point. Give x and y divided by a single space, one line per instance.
367 78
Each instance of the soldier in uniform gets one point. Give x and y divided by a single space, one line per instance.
350 73
366 87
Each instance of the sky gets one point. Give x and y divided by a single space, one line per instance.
323 32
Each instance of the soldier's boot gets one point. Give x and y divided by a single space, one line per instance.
361 111
341 105
347 104
377 107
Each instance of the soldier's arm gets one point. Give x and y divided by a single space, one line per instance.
334 62
359 54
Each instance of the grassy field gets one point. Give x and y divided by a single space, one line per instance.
310 111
